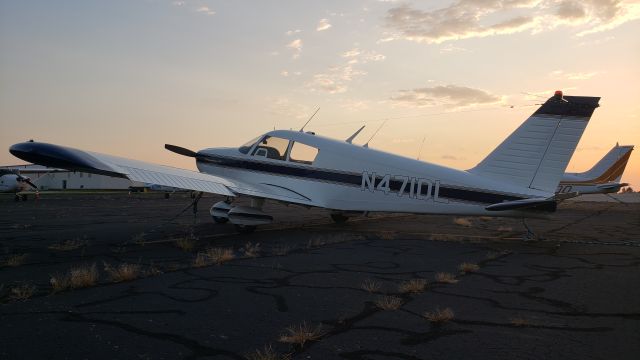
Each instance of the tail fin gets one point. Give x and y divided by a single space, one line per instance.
611 167
537 153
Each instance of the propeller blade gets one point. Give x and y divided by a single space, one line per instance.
180 150
30 183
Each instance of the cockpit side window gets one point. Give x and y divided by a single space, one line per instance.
303 153
272 148
246 147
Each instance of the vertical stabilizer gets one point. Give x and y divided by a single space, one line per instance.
611 167
537 153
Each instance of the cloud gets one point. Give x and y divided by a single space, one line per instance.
574 75
205 10
450 157
323 24
466 19
287 109
337 78
448 95
296 46
292 32
356 56
178 3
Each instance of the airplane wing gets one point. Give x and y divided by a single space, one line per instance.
90 162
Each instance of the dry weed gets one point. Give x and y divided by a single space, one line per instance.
299 335
16 260
387 235
187 243
413 286
22 292
446 278
370 285
485 218
267 354
505 228
123 272
389 302
250 250
466 267
282 249
462 222
68 245
519 321
439 316
211 256
79 277
139 238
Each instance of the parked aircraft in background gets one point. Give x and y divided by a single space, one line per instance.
603 178
517 179
12 182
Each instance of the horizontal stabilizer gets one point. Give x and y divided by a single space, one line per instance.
542 204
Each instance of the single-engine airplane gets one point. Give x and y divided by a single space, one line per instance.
12 182
603 178
517 179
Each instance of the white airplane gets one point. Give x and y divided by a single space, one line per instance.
12 182
517 179
603 178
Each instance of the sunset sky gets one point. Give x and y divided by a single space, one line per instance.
126 77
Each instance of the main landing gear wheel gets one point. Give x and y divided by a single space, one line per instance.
339 218
245 229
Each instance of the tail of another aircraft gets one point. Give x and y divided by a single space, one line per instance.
611 167
537 153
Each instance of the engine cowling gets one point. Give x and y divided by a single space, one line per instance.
220 211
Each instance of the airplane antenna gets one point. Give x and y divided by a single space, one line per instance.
421 145
374 134
350 139
314 114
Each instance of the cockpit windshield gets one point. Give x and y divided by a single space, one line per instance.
246 147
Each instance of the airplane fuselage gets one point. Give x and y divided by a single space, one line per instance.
348 177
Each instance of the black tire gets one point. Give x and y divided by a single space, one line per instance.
24 197
245 229
339 218
220 220
167 195
16 198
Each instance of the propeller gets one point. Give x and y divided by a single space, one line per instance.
180 150
27 180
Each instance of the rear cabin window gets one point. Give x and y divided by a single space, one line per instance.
303 153
272 148
246 147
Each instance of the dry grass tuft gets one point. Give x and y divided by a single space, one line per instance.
446 278
466 267
444 237
123 272
491 255
79 277
519 321
187 243
211 256
68 245
22 292
139 239
439 316
462 222
389 302
505 228
485 218
387 235
250 250
282 249
299 335
267 354
413 286
16 260
370 285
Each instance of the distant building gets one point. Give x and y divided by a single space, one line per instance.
59 179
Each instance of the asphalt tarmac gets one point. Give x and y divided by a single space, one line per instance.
571 294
